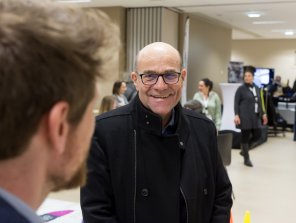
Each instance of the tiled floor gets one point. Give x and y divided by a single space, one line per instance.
268 190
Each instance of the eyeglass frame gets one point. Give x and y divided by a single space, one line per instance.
160 75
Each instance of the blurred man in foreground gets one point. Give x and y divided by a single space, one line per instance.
50 58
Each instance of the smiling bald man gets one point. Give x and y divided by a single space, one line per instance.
152 160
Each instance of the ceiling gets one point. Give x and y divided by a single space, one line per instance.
277 16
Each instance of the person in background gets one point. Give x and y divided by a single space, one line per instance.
108 103
131 90
210 101
152 160
276 89
294 87
249 112
119 88
48 73
194 105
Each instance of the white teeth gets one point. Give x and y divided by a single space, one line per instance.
160 96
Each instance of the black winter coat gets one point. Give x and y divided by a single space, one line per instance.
244 107
137 175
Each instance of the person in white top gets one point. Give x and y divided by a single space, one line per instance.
119 87
210 101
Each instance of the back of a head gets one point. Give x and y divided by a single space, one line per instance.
49 52
194 105
108 103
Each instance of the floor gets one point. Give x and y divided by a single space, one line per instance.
268 190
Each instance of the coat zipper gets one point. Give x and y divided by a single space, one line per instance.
186 206
135 172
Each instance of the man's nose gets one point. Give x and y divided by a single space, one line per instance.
160 83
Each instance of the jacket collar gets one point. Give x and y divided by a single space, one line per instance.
152 122
146 119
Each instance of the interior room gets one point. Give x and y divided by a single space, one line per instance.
209 35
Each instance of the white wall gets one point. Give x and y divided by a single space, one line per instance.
170 27
277 54
209 54
117 67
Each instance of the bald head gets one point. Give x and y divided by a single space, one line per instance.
158 49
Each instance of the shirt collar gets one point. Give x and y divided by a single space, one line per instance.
168 129
20 206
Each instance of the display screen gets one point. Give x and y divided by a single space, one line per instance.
263 76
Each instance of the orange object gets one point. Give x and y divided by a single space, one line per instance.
231 218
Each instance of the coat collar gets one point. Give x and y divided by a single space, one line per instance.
151 122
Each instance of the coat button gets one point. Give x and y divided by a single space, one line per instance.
181 143
205 190
145 192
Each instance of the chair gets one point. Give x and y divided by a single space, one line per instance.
276 123
224 146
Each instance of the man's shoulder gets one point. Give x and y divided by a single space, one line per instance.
196 116
242 88
202 126
10 214
115 118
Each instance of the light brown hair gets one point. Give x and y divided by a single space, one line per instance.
49 52
107 103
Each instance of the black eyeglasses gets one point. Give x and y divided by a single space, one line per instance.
168 78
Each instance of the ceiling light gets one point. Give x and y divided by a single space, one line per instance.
289 33
268 22
254 14
73 1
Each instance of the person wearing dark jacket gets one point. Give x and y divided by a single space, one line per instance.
48 76
249 112
152 160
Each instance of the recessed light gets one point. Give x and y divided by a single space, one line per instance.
254 14
73 1
289 33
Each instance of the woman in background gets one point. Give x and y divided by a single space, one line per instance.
108 103
249 111
210 101
119 87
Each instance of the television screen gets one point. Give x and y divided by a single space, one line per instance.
263 76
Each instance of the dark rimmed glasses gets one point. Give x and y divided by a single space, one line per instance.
168 78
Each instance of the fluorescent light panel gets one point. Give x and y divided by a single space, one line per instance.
73 1
289 33
268 22
253 15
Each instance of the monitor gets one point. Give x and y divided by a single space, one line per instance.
263 76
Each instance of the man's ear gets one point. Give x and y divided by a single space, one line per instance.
183 74
58 126
134 77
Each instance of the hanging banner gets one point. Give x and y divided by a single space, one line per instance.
185 60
